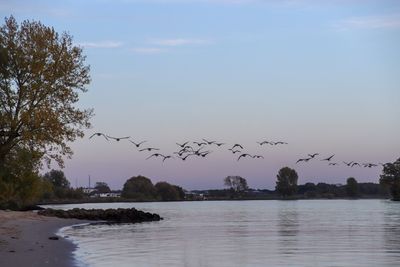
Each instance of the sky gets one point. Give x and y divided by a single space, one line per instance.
324 77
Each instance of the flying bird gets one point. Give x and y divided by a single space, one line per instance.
209 142
167 157
348 163
257 157
118 138
235 151
369 165
182 145
185 157
99 134
263 143
155 155
305 160
328 158
313 155
355 164
148 149
204 154
237 145
244 155
219 144
137 144
280 143
333 163
200 143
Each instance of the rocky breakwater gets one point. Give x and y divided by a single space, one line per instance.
131 215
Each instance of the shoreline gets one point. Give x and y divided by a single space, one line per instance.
24 240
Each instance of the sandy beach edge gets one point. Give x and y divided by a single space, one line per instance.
24 240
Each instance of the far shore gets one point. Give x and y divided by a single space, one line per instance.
123 200
24 240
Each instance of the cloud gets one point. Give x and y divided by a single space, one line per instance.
101 44
148 50
179 42
370 22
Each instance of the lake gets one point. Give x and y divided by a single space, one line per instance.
303 233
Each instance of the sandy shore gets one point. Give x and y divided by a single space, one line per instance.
24 240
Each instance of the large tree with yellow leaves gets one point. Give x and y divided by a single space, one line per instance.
41 76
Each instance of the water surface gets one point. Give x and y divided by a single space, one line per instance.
334 233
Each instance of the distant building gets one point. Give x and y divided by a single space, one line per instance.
190 195
111 194
88 190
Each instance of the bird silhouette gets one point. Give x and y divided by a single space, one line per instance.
155 155
185 157
235 151
219 144
333 163
328 158
244 155
118 138
204 154
305 160
355 164
167 157
237 145
137 144
257 157
313 155
263 143
182 145
200 143
369 165
148 149
183 151
209 142
99 134
280 143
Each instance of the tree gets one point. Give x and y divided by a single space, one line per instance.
59 182
391 178
166 191
237 185
286 184
140 188
102 187
41 76
180 191
352 187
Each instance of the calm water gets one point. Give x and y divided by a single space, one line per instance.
307 233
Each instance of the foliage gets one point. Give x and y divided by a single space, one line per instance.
60 184
20 184
391 178
166 191
181 192
140 188
286 184
41 75
352 187
237 185
102 187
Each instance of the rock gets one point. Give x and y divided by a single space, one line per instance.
54 238
131 215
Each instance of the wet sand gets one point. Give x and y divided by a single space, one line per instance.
24 240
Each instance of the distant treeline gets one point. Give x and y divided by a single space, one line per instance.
304 191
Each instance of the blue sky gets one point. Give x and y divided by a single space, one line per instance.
324 77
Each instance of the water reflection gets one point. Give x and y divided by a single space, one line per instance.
337 233
392 231
288 227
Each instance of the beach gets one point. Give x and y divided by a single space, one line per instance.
24 240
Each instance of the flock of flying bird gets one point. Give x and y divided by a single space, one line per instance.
190 149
